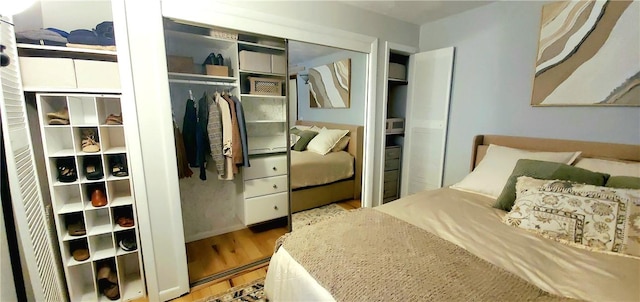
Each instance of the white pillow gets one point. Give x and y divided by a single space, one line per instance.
326 140
611 167
491 175
341 144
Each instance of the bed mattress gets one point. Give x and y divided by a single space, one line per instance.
311 169
468 221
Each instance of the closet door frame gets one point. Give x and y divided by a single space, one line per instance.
141 51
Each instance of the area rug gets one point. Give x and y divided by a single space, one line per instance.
309 217
250 292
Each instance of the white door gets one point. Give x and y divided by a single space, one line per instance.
430 75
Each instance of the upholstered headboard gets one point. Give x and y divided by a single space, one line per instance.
589 149
354 148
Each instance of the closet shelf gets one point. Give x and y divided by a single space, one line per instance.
33 50
262 73
200 77
244 45
188 38
266 121
262 96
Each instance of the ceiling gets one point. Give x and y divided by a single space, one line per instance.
418 12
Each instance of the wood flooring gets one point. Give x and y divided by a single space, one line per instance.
213 255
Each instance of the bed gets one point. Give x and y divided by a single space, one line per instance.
448 244
306 196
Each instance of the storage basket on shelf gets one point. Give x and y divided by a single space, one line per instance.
265 86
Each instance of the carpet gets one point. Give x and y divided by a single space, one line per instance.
250 292
309 217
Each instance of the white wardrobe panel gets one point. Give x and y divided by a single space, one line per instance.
426 125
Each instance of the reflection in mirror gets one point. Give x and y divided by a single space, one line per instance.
326 120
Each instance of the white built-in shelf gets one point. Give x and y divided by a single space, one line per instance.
257 46
63 153
69 90
262 73
48 48
262 96
397 81
115 150
267 144
117 201
188 38
200 77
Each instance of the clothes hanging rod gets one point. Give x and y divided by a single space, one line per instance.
201 82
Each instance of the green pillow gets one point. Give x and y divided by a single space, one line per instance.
623 182
295 131
305 137
548 171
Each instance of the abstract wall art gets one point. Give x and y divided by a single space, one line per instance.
588 54
329 85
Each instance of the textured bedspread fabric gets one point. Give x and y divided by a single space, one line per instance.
469 221
464 219
312 169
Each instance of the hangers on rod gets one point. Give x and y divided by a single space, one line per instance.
191 95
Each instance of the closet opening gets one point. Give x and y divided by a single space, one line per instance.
228 98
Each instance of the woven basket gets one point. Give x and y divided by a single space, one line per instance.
265 86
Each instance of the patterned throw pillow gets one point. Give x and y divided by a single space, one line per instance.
599 218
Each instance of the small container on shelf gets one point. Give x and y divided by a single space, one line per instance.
255 61
265 86
180 64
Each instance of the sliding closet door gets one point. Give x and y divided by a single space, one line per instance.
427 117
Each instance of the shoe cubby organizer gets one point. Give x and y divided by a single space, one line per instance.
91 192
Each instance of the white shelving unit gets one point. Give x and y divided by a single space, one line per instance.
72 200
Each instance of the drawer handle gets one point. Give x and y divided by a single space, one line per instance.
275 169
275 208
275 186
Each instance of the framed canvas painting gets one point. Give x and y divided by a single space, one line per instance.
588 54
329 85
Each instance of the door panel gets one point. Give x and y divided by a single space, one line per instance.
430 78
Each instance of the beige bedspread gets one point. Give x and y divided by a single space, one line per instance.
312 169
370 256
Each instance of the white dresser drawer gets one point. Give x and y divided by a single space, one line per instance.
391 164
263 208
264 186
266 166
392 153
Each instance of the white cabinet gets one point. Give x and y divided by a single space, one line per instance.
265 190
91 193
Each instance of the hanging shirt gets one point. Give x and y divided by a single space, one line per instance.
225 114
202 139
189 125
236 144
214 129
243 131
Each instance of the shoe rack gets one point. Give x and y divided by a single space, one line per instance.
92 196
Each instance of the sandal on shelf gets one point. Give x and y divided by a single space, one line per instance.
90 141
118 165
79 251
59 117
93 168
125 222
66 170
113 119
128 244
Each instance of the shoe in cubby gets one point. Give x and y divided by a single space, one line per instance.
92 167
109 111
96 194
118 165
123 216
54 111
126 240
107 280
89 140
79 250
66 169
75 224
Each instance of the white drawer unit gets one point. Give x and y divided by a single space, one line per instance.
266 190
266 166
264 208
392 157
264 186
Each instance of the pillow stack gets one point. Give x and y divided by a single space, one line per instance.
319 140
